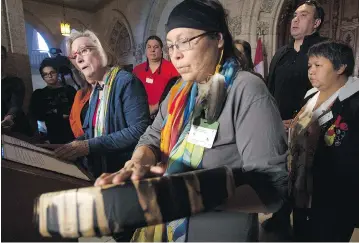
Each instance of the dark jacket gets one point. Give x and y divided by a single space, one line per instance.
127 119
336 161
12 98
51 105
294 96
335 200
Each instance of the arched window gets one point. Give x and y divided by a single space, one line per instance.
41 43
120 41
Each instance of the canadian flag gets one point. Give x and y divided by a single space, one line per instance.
259 59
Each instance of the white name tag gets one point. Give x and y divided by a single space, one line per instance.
149 80
324 119
204 134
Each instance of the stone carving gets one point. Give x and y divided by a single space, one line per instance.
349 12
287 10
267 5
335 18
235 25
262 28
325 33
120 41
349 38
139 53
165 53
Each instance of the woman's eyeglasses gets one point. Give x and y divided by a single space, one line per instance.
84 51
49 75
185 43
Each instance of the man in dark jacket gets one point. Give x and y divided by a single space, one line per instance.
288 77
288 73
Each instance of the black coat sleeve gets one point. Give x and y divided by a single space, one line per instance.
17 97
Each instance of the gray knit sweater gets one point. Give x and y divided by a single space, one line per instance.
251 136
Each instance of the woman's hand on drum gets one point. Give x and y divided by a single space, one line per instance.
134 169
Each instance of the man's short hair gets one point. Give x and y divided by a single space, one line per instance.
337 52
319 11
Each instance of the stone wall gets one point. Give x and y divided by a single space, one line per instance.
13 37
342 23
124 25
121 24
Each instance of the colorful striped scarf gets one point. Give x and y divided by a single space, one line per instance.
179 154
99 129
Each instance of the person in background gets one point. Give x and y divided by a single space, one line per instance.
323 149
288 81
247 132
64 68
52 104
118 110
245 48
155 72
80 105
13 119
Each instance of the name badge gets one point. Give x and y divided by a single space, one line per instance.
325 118
149 80
204 134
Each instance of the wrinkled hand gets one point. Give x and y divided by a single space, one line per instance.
133 169
73 150
8 122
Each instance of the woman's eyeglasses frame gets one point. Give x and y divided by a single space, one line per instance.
83 51
185 43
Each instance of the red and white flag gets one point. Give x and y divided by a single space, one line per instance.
259 59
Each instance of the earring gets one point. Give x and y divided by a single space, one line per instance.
219 63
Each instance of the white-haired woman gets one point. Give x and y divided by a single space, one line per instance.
118 111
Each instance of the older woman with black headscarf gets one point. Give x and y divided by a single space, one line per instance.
216 115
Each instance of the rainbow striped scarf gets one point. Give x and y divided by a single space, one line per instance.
179 154
99 129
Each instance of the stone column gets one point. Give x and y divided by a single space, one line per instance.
13 37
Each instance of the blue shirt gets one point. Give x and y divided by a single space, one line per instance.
126 120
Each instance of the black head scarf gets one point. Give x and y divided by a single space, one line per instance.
195 15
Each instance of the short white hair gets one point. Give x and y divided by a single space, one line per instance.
107 57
